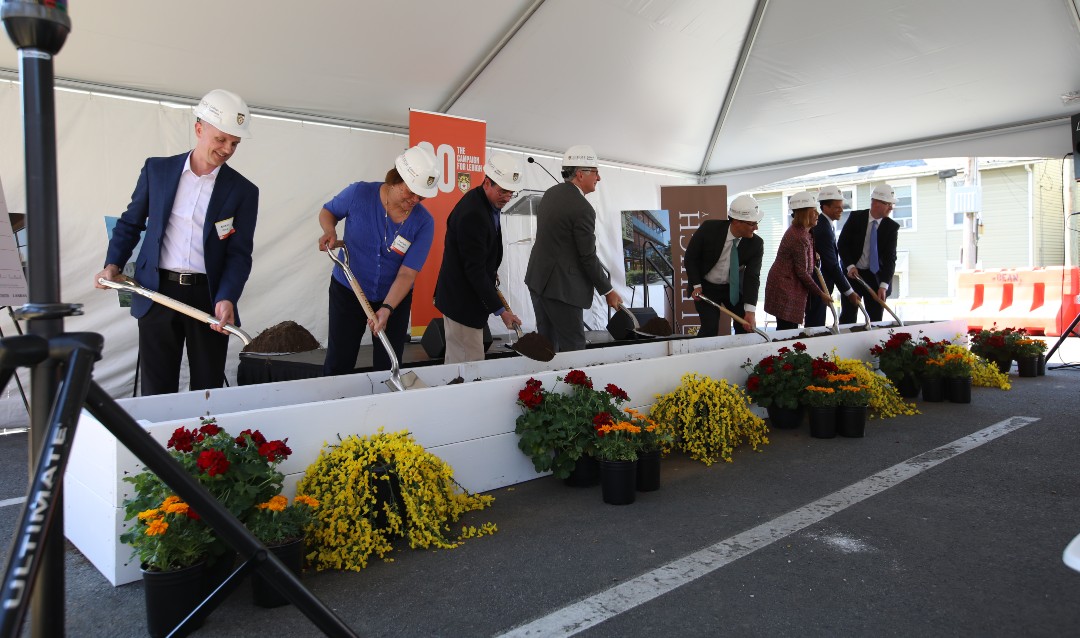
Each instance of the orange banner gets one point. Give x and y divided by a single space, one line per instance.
459 145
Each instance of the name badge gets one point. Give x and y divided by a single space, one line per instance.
224 228
400 245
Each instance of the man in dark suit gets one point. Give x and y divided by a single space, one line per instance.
867 248
709 263
199 218
831 201
563 267
466 291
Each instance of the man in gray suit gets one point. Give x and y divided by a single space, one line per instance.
563 267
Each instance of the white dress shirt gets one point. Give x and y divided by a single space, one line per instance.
182 246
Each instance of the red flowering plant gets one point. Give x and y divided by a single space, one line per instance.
239 471
557 426
901 356
780 380
822 391
994 344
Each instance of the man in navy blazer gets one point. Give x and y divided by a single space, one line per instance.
831 201
199 218
466 290
874 262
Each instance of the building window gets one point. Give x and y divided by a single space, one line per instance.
904 209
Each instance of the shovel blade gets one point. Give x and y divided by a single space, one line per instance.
534 346
657 327
405 381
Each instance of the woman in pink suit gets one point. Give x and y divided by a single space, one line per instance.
791 278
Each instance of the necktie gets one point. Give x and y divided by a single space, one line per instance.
873 267
733 273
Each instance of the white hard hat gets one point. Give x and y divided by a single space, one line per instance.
417 167
829 193
225 111
505 170
884 193
805 199
745 208
580 155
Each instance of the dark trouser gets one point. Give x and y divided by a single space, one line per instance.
711 316
816 310
162 336
348 323
786 325
849 312
559 322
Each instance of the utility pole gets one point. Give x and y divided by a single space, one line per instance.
969 252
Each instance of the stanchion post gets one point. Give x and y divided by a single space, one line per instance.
38 29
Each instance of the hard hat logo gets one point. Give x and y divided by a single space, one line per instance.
240 119
516 178
430 181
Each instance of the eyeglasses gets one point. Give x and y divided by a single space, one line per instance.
750 224
590 170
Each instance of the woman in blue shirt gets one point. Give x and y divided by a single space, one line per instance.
388 234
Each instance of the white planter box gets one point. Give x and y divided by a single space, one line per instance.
470 425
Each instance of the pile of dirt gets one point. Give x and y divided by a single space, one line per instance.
287 336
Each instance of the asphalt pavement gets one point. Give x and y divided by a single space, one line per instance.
809 537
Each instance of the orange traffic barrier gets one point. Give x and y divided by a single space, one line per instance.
1043 301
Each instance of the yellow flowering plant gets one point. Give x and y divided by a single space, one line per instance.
169 536
709 418
984 372
357 519
276 522
885 402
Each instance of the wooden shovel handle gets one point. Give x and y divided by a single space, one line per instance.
727 312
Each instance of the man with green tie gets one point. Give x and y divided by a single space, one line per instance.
723 263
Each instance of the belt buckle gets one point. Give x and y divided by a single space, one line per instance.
187 278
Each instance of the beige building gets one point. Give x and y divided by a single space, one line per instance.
1022 219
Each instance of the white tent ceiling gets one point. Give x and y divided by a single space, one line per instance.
711 88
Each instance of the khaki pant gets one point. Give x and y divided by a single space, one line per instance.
462 342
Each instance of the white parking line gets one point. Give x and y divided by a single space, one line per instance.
13 501
637 591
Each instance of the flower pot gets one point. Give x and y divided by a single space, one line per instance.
617 481
1004 364
958 389
218 569
907 386
851 420
648 471
785 418
292 554
1028 365
388 496
1042 365
822 422
933 389
586 472
171 596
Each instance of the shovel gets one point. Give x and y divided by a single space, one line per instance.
744 322
397 382
130 285
532 345
835 328
873 293
655 327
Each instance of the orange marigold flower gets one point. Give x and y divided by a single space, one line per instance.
148 514
170 500
176 507
276 504
156 527
306 500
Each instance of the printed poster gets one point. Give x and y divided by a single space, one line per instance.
459 144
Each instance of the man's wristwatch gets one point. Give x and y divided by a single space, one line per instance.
387 306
